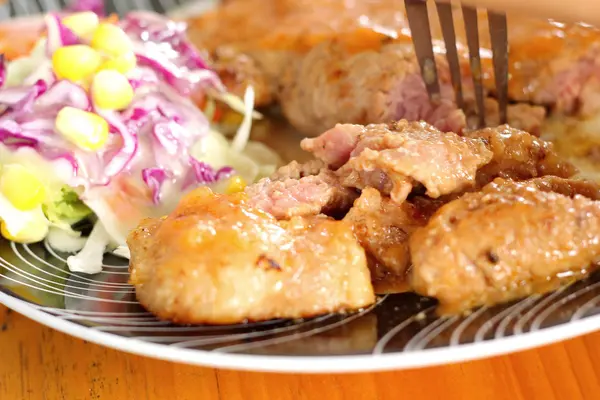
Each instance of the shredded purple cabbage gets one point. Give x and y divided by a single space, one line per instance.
21 98
58 35
205 174
176 61
150 139
64 93
154 179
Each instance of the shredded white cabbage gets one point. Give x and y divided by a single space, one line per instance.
65 240
251 160
243 133
122 251
23 67
237 104
89 259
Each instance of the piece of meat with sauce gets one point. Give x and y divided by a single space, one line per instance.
335 61
309 195
296 170
381 86
396 160
568 187
393 157
330 85
396 157
382 228
218 260
519 155
508 241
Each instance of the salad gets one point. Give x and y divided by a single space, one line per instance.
97 129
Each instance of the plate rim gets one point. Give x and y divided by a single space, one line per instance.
311 364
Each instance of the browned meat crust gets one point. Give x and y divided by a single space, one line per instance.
395 158
519 155
411 154
326 65
218 260
296 170
382 228
508 241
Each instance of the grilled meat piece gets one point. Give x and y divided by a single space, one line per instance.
382 228
296 170
397 157
332 61
508 241
519 155
306 196
218 260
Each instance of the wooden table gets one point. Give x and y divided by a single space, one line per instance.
39 363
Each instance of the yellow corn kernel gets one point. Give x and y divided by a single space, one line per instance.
235 184
21 187
76 62
111 90
34 231
86 130
111 40
123 63
82 24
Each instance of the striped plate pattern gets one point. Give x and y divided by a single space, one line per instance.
399 324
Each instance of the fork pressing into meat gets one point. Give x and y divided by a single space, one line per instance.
418 19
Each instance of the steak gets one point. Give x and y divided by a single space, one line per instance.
398 157
287 197
508 241
328 62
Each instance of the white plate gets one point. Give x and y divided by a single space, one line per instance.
401 331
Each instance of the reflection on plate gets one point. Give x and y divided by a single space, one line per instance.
399 331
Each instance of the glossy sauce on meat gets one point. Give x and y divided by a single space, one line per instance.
217 260
510 240
397 157
518 155
382 228
300 25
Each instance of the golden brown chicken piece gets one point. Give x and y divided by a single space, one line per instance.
217 260
382 228
508 241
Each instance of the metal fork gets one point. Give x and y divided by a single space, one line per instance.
418 20
22 8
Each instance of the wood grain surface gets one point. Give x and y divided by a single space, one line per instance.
39 363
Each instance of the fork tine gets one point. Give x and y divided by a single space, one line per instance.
499 37
418 20
21 8
447 24
49 5
142 5
159 6
472 29
166 5
119 6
